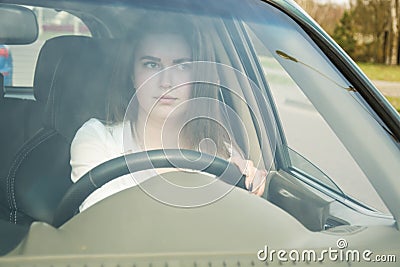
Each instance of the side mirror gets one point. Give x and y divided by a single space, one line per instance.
18 25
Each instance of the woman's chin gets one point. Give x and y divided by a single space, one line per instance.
167 113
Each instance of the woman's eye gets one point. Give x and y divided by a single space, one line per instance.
151 65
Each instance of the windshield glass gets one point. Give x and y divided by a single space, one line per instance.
209 131
235 37
240 82
190 93
303 82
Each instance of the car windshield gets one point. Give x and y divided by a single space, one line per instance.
240 81
144 131
257 90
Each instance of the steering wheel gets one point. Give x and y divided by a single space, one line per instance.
163 158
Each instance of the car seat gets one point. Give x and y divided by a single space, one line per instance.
22 118
40 173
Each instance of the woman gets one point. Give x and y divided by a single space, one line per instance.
170 106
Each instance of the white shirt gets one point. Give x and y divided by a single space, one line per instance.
95 143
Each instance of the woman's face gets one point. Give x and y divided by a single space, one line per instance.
162 82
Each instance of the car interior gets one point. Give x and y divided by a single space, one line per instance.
33 180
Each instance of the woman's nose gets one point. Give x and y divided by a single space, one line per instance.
166 79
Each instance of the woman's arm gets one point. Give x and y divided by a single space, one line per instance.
255 178
89 148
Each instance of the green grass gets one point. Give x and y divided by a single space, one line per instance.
381 72
395 101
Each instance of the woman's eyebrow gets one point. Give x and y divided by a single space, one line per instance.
151 58
182 60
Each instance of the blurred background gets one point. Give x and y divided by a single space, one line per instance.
368 30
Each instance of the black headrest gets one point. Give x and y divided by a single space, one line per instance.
80 87
49 59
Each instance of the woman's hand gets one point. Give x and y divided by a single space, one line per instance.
255 178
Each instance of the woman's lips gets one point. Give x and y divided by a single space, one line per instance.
165 99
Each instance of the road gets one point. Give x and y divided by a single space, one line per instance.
388 88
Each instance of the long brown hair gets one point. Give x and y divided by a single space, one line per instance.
197 129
